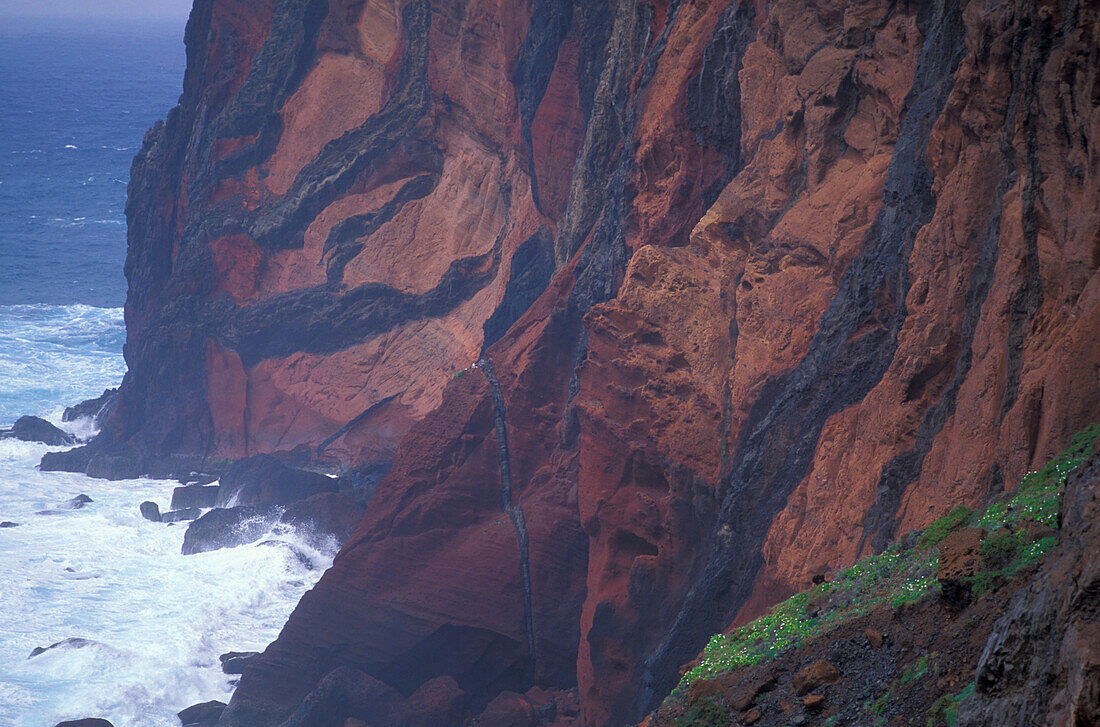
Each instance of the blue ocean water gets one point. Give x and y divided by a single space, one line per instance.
76 102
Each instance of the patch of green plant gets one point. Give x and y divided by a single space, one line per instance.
1000 549
1036 498
893 576
919 668
707 712
944 712
934 534
458 374
900 576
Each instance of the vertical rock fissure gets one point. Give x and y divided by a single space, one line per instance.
855 342
904 469
510 507
1028 298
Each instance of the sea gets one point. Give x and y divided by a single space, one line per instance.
150 622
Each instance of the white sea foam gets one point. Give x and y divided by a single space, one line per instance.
52 356
158 619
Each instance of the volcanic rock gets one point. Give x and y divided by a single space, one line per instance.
263 481
235 662
225 528
202 715
327 515
1039 664
70 643
150 511
89 722
438 701
960 559
184 515
345 693
760 287
818 674
91 408
194 496
34 429
509 709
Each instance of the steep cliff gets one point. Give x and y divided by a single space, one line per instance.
756 287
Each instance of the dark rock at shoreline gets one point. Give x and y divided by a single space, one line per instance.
70 643
35 429
194 496
344 693
114 467
74 504
150 511
235 661
90 408
225 528
197 479
202 715
184 515
90 722
359 484
263 481
8 524
329 514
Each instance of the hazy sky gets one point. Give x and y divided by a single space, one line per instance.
87 9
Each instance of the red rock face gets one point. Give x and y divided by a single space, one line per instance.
759 287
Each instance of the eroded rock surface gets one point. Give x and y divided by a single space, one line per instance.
758 287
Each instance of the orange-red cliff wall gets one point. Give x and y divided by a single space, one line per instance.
760 285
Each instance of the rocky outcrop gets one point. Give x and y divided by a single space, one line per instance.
1041 664
263 481
34 429
759 286
226 528
90 408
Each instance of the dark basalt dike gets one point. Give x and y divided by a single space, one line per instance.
626 318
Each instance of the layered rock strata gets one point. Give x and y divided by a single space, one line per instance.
759 286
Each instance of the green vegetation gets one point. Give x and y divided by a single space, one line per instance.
945 710
893 576
900 576
705 713
937 531
919 668
459 374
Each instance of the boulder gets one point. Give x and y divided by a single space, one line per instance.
8 524
439 701
814 703
90 408
225 528
111 467
184 515
150 511
235 661
90 722
202 715
509 709
263 481
347 693
35 429
818 674
960 559
74 504
70 643
329 514
194 496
